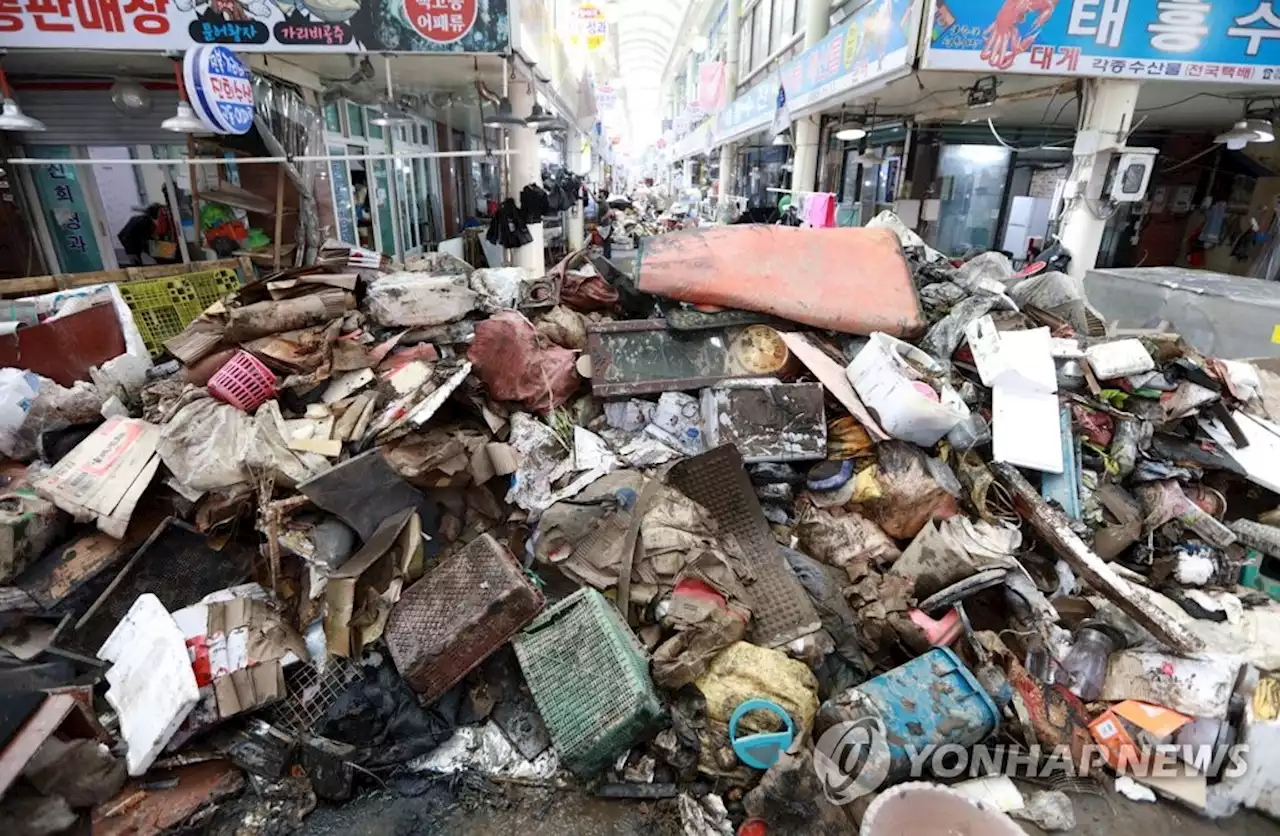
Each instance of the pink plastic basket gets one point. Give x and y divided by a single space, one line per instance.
244 382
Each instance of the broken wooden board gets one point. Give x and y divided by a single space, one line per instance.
1055 529
832 376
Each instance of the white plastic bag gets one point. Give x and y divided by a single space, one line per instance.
18 390
888 375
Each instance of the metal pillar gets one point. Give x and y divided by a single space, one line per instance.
817 22
1107 119
525 169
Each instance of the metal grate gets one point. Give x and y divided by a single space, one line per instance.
458 614
590 679
781 610
310 693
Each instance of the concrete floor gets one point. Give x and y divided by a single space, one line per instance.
507 810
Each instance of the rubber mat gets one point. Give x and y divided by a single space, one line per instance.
780 608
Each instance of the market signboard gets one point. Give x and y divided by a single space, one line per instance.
471 26
876 44
1233 41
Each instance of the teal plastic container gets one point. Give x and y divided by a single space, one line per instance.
931 700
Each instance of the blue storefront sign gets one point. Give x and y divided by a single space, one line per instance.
1234 41
876 44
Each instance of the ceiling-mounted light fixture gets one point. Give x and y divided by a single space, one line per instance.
538 115
850 131
556 125
503 116
11 116
699 44
185 120
391 114
130 97
1242 133
781 139
1263 128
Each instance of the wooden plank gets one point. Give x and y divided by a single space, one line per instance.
46 284
1055 529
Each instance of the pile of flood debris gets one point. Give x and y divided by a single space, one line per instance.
749 536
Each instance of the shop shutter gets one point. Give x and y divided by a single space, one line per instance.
88 117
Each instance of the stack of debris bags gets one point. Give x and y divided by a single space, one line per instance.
581 529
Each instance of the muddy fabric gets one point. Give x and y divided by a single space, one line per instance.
824 585
909 495
843 539
704 627
565 327
584 536
518 364
791 796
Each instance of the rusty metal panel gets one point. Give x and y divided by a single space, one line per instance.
65 349
458 614
777 422
781 610
853 280
645 356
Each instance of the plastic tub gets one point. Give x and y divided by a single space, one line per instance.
931 700
244 382
923 809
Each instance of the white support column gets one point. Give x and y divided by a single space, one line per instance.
733 38
580 164
525 169
817 22
1108 117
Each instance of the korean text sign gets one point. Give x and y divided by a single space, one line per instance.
1235 41
259 25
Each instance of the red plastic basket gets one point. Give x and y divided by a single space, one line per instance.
244 382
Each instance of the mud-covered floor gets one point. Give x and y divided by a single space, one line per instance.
471 806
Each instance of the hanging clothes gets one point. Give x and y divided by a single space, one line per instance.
820 210
534 204
508 228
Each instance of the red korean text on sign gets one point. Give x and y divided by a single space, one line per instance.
99 14
10 15
442 21
147 16
51 15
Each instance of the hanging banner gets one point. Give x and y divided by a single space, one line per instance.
590 29
219 89
405 26
876 44
711 87
606 97
1234 41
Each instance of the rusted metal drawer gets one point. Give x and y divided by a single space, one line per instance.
457 614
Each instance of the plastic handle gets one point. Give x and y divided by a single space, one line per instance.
758 704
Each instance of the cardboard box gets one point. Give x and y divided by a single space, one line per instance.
360 593
1128 728
103 478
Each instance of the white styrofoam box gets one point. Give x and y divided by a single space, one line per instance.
152 685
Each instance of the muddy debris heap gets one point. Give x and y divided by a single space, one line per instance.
769 544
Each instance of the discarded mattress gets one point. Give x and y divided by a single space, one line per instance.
846 279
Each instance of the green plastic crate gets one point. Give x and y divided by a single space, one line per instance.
590 679
163 307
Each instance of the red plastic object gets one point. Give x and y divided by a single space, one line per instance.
753 827
940 632
244 382
849 279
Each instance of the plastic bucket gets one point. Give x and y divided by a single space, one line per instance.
923 809
931 700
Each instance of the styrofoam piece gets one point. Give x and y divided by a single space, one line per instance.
1261 459
1119 359
152 686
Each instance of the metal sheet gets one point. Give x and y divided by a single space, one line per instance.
780 608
